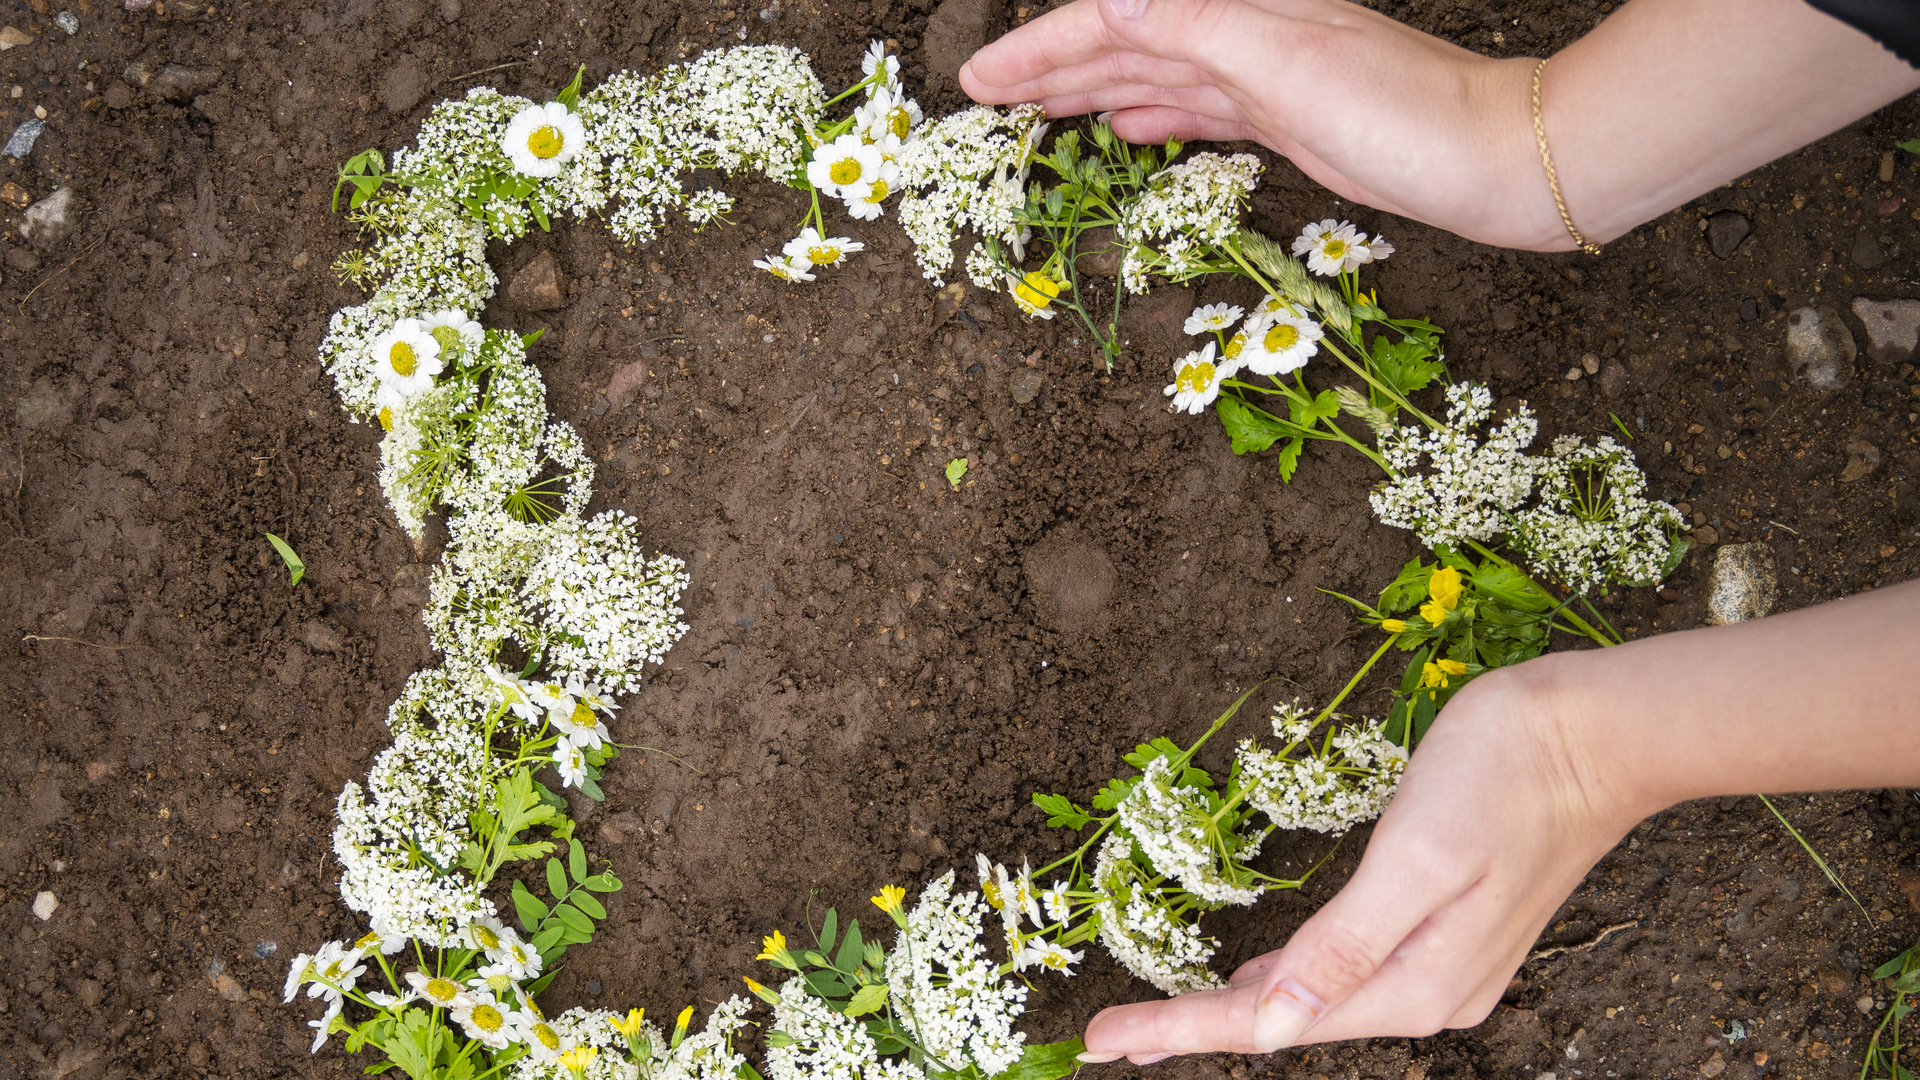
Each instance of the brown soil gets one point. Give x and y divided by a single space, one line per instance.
880 670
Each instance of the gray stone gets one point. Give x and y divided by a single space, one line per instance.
20 143
1025 386
137 5
1613 379
626 382
1867 253
1725 230
538 285
50 220
449 9
264 949
1820 348
140 72
1100 253
67 21
1743 585
1893 327
181 84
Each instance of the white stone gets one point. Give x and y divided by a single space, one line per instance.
44 905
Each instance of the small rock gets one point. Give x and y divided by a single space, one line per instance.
1591 363
67 21
538 286
1886 167
1760 1058
1714 1065
15 195
264 949
322 637
1893 327
1742 586
1862 458
1749 310
187 10
181 84
140 72
626 383
450 9
1890 207
1706 535
1613 379
1820 347
1099 253
11 37
137 5
1867 254
20 143
97 771
1725 231
1864 1004
50 220
44 905
1025 386
118 96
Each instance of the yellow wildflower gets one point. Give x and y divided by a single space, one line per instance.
578 1059
1393 626
1034 292
890 898
631 1025
773 946
1444 587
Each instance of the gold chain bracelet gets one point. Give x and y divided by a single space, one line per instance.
1553 178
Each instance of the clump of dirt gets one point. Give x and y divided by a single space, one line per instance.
882 669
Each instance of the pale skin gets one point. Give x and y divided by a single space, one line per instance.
1533 772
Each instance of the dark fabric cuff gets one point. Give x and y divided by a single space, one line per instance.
1893 23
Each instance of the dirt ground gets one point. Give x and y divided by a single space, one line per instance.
880 670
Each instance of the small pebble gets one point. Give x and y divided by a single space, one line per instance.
67 21
20 144
1573 374
1864 1004
1743 584
44 905
1591 363
265 949
1891 206
1725 231
1760 1058
1886 167
1893 327
13 37
1820 348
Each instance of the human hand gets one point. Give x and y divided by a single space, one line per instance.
1377 112
1509 801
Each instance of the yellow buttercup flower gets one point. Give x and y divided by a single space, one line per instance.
1435 674
890 898
681 1022
1393 626
1452 667
1444 587
773 946
1034 292
631 1025
577 1060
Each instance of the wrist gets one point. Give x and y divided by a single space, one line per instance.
1529 218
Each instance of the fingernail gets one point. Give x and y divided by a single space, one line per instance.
1284 1015
1106 117
1093 1058
1127 9
1151 1058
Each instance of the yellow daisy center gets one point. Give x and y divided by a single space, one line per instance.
582 716
486 937
386 418
845 171
402 359
442 989
879 192
369 938
548 1037
1282 337
899 121
1238 342
488 1018
824 254
1195 377
546 141
1335 249
1054 960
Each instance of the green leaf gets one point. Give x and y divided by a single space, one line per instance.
1891 966
1407 589
585 902
527 907
823 984
869 998
1911 146
1250 431
848 958
295 567
1290 458
591 789
603 882
1062 811
956 469
1406 366
574 919
576 861
1324 406
829 930
1424 710
556 879
408 1046
1047 1061
1510 587
549 936
570 97
1113 794
539 986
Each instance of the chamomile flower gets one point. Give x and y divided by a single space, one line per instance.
1053 957
456 333
1058 902
571 763
405 359
887 119
382 937
485 934
486 1021
875 58
785 268
590 694
1329 246
541 139
1371 249
512 692
1034 293
865 202
544 1044
1212 318
1196 380
1280 342
812 248
844 165
439 992
581 728
514 958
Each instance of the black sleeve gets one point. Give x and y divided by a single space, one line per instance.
1893 23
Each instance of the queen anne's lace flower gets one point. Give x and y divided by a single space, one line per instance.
1449 486
1144 936
967 171
1591 523
1172 826
943 985
1195 203
1326 793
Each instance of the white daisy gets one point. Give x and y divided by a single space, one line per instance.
844 164
1371 249
1328 246
453 330
1212 318
544 1044
1280 342
486 1021
514 959
786 269
571 763
888 119
581 728
590 695
513 693
406 358
1058 903
1196 381
439 992
864 202
541 139
877 55
810 247
1048 955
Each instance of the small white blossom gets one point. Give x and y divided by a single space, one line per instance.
1331 247
1279 342
1196 380
1212 318
1448 485
786 268
812 248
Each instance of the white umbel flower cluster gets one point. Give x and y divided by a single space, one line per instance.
826 1044
1174 828
578 1027
1449 486
1185 211
1591 523
942 983
1148 939
1324 792
968 171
